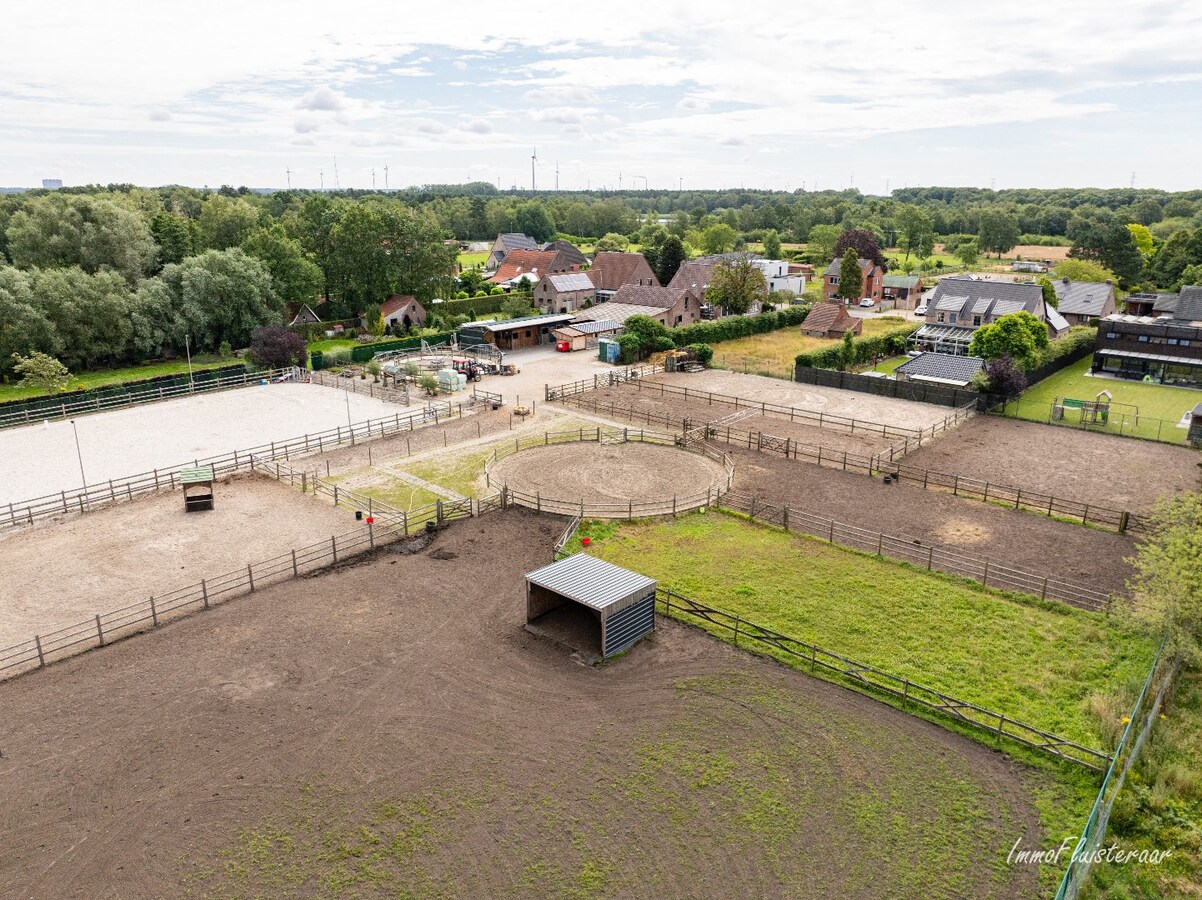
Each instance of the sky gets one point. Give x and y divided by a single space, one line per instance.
872 95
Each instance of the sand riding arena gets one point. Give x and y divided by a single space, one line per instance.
610 473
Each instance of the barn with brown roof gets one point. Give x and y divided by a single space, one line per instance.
672 307
830 320
533 265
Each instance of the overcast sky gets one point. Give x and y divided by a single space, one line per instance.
790 95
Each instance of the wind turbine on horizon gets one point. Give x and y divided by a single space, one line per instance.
533 160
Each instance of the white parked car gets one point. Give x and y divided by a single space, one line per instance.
867 303
920 310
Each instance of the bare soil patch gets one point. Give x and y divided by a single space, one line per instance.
849 404
604 472
1028 541
390 728
64 571
647 408
1102 469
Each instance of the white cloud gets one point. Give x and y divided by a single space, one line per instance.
323 99
480 126
306 126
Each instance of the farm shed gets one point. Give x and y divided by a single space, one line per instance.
940 368
592 605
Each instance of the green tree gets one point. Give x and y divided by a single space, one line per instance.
1049 291
95 234
223 295
1166 590
820 244
916 233
611 242
851 276
174 237
1018 335
428 383
736 286
719 238
671 256
772 244
967 252
864 242
41 372
90 314
274 347
226 222
533 219
997 232
1083 270
1143 240
297 278
24 326
847 352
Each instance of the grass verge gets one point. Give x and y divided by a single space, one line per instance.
109 377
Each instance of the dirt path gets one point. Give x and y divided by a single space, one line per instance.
389 728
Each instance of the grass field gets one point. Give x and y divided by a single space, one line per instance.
1060 669
108 377
468 260
774 352
1160 408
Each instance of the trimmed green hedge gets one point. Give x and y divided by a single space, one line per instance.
732 327
888 343
364 352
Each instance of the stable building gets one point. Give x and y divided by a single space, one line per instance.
596 608
514 334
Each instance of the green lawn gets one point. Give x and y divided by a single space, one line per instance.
108 377
1148 410
888 366
468 260
1054 667
332 345
775 352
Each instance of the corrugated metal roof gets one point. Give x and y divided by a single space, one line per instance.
196 475
595 327
573 281
1057 322
941 366
594 582
525 322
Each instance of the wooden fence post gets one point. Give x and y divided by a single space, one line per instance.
154 613
204 592
37 641
250 576
99 630
930 557
334 548
294 571
985 577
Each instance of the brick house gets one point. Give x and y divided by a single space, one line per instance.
532 265
903 290
505 244
402 311
612 269
564 293
872 280
671 306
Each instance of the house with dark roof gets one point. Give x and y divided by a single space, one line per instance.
961 306
940 368
305 316
531 266
1150 304
612 269
672 306
694 275
830 320
565 293
903 290
571 252
1157 349
402 311
872 280
1080 301
505 244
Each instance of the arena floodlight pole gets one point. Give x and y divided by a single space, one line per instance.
79 454
188 350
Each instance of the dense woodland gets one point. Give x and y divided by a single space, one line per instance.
103 275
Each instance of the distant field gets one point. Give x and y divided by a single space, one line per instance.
773 353
1052 666
1150 410
108 377
468 260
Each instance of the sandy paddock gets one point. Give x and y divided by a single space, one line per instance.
597 473
39 460
390 728
849 404
64 571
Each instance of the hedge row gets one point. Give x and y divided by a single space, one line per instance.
320 360
732 327
473 306
887 343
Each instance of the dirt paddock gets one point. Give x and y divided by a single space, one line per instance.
1103 469
1091 557
64 571
389 728
596 473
